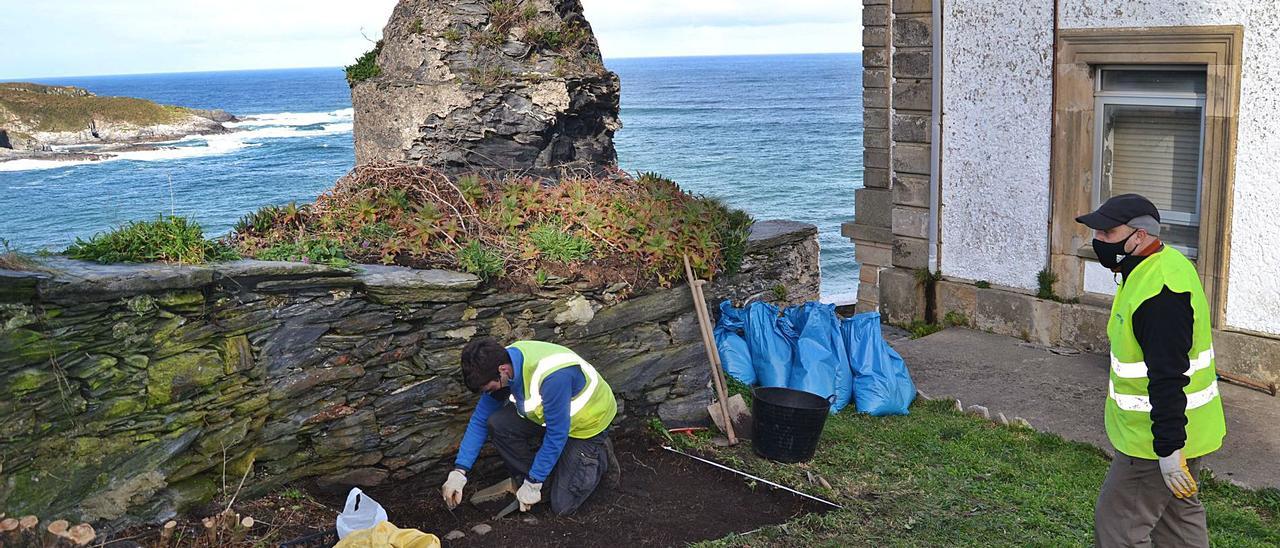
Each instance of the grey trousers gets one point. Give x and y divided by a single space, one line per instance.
577 473
1136 508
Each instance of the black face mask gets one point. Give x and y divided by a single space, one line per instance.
1111 254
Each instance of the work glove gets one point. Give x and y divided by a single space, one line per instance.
528 495
1176 475
453 488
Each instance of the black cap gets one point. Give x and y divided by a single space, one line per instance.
1119 210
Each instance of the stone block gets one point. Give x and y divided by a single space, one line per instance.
912 127
876 138
912 158
901 296
872 253
875 37
913 63
956 297
909 94
912 6
868 273
875 78
913 32
865 233
1005 312
911 221
875 2
875 118
875 57
875 158
875 98
1251 356
1084 327
873 206
1046 323
910 253
875 177
911 190
875 16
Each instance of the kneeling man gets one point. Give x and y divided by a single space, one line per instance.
546 410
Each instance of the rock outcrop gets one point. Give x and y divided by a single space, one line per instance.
36 117
488 85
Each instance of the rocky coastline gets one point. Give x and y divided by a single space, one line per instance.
65 123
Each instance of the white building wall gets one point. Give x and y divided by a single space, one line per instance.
1253 293
997 100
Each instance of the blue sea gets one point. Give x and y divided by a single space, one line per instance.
778 136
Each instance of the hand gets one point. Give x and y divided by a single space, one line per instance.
453 488
1177 476
529 495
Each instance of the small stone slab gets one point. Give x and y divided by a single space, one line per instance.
775 233
482 529
454 535
400 285
84 281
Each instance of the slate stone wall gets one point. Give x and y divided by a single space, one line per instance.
125 390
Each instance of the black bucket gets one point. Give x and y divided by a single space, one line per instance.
786 423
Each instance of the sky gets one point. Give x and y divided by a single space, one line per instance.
92 37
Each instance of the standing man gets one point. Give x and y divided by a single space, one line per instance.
1163 409
550 425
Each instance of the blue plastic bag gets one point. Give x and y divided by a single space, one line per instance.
881 384
820 364
734 354
769 346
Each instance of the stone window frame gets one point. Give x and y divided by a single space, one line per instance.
1079 52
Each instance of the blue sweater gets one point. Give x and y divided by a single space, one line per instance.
557 391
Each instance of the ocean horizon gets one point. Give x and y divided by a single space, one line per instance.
776 135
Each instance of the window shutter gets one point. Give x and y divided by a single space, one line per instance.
1155 152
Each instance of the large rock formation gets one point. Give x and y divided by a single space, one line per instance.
483 85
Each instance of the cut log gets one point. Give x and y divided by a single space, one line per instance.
81 535
27 534
55 534
166 533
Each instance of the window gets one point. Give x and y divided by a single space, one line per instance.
1149 140
1151 110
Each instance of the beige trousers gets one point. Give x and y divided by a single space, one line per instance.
1136 508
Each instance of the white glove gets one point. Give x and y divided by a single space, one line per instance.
1177 476
453 488
529 495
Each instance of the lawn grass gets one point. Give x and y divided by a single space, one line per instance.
942 478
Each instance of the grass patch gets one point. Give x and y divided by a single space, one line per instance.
955 318
317 251
942 478
982 284
614 229
365 67
11 259
921 328
167 239
55 109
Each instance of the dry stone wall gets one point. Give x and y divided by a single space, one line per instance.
125 390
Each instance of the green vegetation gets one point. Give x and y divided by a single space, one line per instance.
982 284
942 478
558 245
555 38
55 109
452 35
167 239
490 77
780 292
955 318
11 259
365 67
610 229
921 328
1045 279
416 26
317 251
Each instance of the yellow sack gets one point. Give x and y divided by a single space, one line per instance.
386 535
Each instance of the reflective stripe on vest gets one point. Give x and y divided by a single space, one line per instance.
534 398
1142 404
1138 370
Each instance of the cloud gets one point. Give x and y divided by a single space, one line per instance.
616 15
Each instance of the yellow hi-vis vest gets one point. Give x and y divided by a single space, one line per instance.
1128 412
590 411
